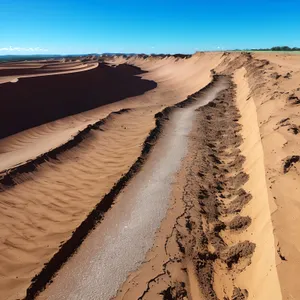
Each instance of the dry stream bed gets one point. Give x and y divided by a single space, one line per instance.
198 261
118 244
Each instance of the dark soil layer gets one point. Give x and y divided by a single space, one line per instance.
221 163
34 101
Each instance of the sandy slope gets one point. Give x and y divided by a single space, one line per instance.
274 89
45 206
261 276
40 213
267 95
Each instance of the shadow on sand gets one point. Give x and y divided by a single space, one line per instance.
34 101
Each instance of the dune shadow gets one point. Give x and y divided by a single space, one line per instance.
34 101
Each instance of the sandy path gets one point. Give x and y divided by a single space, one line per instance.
267 88
128 229
189 254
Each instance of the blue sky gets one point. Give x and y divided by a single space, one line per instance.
65 27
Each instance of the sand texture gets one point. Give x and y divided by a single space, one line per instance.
232 227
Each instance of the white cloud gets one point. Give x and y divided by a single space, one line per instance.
19 49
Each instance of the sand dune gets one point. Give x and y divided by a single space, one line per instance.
19 148
42 207
12 71
55 97
64 193
47 216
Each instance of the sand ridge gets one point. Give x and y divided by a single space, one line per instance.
274 89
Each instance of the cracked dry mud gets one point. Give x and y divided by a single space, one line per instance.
213 192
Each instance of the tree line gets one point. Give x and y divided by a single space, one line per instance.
277 48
